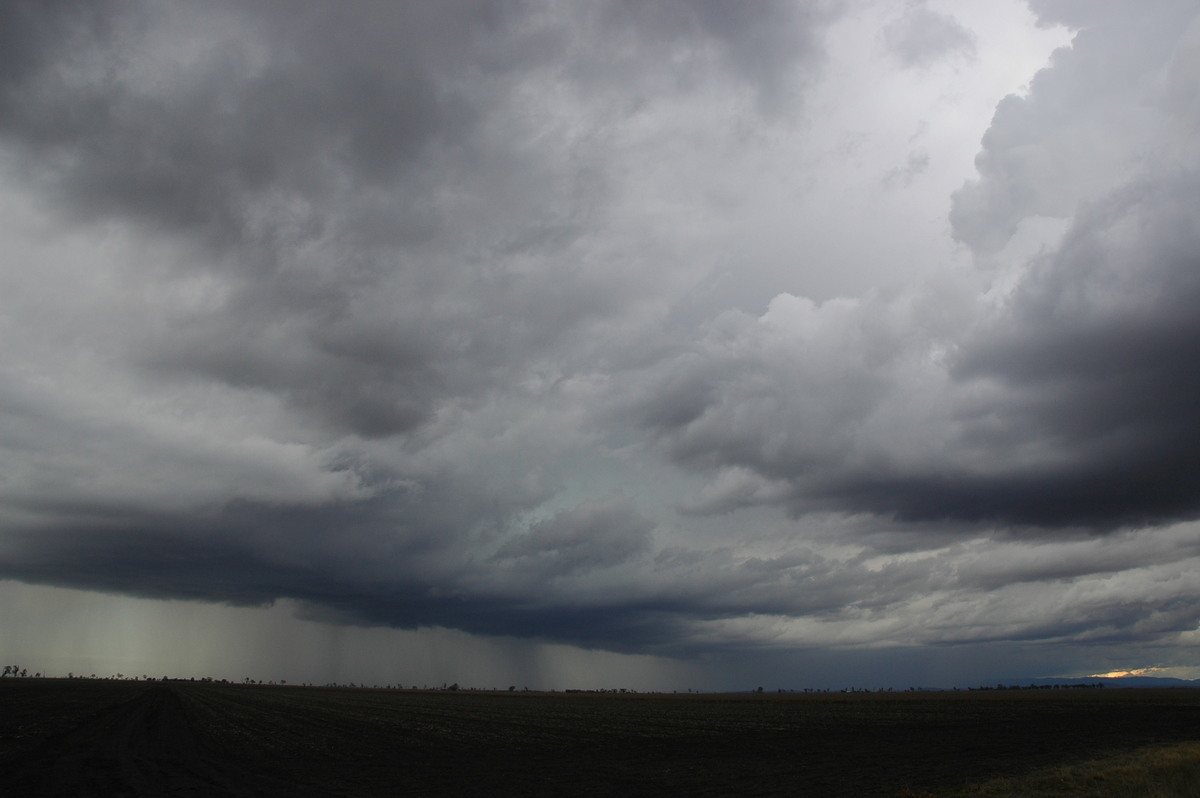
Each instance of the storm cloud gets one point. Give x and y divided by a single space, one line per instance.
622 325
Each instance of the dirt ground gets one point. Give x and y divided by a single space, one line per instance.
182 739
144 746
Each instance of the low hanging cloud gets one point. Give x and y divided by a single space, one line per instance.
416 315
581 539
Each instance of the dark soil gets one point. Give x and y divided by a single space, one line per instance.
185 739
146 745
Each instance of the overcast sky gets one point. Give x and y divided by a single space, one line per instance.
654 344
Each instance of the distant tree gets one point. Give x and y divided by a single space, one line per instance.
24 673
7 670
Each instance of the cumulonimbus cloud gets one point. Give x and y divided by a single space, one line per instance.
393 310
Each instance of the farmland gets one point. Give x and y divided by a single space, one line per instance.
83 738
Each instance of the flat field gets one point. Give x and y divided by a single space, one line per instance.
93 738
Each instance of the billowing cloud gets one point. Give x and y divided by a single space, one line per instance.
1062 402
616 325
1115 107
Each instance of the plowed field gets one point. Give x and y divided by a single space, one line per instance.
80 738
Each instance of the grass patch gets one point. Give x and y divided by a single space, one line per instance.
1161 771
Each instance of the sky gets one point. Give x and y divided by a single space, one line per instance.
658 344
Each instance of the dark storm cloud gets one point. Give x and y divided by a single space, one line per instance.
1086 387
260 148
338 155
377 307
34 32
581 539
1071 405
1099 353
207 145
757 42
365 562
288 101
